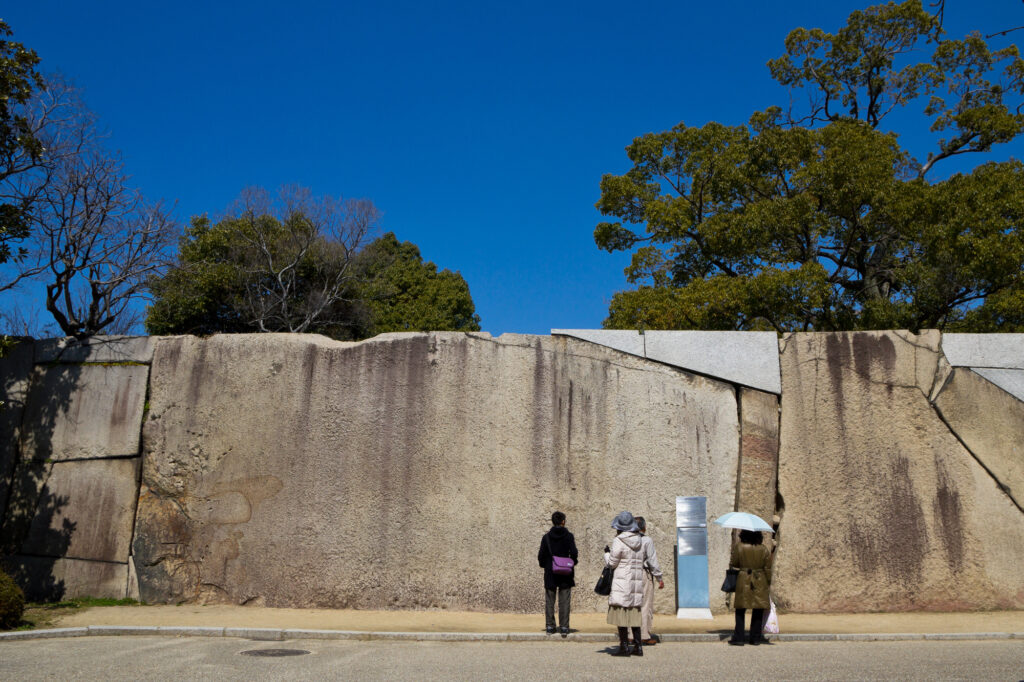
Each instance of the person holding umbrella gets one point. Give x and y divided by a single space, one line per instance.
752 560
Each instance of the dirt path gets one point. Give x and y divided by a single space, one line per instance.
449 621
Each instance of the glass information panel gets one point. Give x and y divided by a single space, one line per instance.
693 600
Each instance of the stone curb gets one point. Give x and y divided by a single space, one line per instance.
281 634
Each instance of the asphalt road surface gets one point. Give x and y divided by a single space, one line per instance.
164 658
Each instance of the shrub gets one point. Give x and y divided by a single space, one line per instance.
12 603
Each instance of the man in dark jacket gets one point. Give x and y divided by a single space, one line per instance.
557 542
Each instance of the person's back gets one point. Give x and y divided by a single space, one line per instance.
557 542
753 561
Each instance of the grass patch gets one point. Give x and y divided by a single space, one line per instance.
85 602
47 614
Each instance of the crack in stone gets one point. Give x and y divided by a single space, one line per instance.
999 484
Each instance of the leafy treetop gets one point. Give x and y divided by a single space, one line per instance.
817 218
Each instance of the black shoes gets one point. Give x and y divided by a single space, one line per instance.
623 650
736 640
638 650
550 630
564 632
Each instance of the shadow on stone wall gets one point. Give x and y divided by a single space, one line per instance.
33 515
35 574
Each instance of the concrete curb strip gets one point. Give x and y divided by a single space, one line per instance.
277 635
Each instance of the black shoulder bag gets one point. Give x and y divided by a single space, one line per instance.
729 584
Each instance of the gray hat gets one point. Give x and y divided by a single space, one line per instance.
624 522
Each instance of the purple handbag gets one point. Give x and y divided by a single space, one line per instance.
562 565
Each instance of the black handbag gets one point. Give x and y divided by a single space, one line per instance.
729 584
604 583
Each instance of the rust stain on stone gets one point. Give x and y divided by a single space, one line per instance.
872 351
947 510
899 552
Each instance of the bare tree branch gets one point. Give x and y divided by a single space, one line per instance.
296 256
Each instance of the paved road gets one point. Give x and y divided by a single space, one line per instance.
137 658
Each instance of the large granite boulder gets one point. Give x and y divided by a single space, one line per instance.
885 509
990 422
84 411
414 470
80 510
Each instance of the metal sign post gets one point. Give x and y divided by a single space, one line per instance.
692 597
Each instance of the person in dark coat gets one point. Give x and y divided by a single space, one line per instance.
557 542
753 560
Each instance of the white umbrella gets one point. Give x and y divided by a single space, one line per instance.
744 521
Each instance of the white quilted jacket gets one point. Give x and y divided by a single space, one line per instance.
627 558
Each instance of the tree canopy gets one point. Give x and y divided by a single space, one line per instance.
19 150
306 267
815 218
403 293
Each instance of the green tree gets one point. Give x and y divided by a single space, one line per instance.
403 293
303 265
275 265
816 218
19 150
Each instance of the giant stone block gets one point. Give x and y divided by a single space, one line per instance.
49 579
885 510
79 510
84 411
414 470
759 452
745 358
1010 380
990 422
984 350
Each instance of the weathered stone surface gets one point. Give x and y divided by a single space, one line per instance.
80 510
96 349
84 411
631 341
884 508
15 373
984 350
51 579
414 470
759 452
745 358
990 422
1010 380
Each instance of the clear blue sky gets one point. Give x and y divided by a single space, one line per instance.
481 130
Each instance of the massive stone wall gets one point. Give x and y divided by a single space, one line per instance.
419 470
885 508
413 470
73 462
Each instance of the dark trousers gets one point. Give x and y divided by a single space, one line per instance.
564 596
756 622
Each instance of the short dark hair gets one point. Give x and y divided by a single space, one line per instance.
557 519
640 523
751 537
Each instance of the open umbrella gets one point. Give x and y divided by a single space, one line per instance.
744 521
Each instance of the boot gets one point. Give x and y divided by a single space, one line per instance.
736 639
638 649
623 645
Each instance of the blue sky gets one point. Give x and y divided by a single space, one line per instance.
480 130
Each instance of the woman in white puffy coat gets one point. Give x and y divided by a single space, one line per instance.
626 555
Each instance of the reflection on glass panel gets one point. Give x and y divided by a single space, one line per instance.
691 511
692 541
